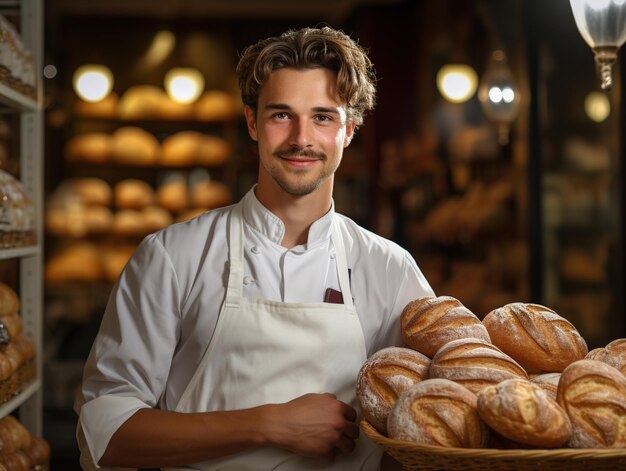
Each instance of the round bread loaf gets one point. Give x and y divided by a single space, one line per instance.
429 322
383 378
94 147
549 382
438 412
474 363
9 300
132 145
133 193
614 354
594 396
522 411
535 336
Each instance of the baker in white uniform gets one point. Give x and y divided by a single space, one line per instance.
233 341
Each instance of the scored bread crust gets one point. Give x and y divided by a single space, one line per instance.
614 354
438 412
522 411
429 322
474 363
594 396
535 336
383 378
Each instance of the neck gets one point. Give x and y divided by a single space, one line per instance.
296 212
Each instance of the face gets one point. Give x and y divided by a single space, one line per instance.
301 130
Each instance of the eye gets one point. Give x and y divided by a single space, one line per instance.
324 118
280 115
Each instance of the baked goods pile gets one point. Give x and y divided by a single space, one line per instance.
19 450
17 352
520 378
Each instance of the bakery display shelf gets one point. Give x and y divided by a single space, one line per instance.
26 393
18 252
14 100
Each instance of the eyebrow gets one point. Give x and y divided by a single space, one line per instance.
317 109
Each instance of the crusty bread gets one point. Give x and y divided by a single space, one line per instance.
384 377
549 382
522 411
614 354
438 412
429 322
535 336
594 396
474 363
9 300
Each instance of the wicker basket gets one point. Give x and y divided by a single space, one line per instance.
414 457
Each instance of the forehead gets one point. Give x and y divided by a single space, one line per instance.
316 87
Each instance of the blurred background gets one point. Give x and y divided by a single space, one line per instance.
494 154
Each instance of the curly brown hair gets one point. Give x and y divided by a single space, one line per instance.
310 48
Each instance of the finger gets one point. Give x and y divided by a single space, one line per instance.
345 445
351 430
349 413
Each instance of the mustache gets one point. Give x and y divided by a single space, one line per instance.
300 152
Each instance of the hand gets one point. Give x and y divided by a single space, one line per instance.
313 425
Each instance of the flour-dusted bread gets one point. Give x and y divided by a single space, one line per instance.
535 336
549 382
384 377
474 363
438 412
522 411
594 396
429 322
614 354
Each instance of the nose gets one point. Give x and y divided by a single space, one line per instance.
300 133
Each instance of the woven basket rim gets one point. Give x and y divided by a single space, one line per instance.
492 453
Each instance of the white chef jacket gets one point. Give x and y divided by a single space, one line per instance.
163 309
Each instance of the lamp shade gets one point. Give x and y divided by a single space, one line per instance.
602 24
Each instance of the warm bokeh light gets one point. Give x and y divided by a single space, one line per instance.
597 106
457 82
184 85
161 46
93 82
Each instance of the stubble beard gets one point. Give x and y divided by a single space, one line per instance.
300 185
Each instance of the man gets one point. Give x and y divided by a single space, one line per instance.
233 341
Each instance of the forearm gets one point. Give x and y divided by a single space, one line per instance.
313 425
153 437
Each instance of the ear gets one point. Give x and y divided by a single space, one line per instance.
350 131
251 122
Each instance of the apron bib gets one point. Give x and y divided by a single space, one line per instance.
272 352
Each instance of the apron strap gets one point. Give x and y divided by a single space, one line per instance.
234 287
342 263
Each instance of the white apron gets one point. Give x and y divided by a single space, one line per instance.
272 352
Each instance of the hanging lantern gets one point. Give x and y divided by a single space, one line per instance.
499 95
602 24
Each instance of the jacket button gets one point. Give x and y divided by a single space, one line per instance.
255 250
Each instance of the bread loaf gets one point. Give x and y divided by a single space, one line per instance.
429 322
594 396
133 193
535 336
549 382
474 363
383 378
522 411
9 300
132 145
614 354
93 147
438 412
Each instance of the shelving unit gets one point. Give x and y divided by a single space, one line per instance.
28 403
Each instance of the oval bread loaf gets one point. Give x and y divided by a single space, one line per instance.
614 354
535 336
594 396
549 382
522 411
384 377
474 363
438 412
429 322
